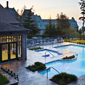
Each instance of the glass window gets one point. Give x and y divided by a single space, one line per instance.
17 39
12 39
4 52
13 50
9 39
0 39
3 39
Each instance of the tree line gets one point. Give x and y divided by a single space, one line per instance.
62 27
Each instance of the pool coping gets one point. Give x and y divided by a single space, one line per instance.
58 51
50 50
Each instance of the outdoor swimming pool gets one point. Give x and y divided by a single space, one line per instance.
76 67
48 53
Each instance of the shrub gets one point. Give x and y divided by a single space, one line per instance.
62 83
38 63
30 36
44 35
64 78
3 79
68 79
41 67
70 57
67 40
37 66
35 48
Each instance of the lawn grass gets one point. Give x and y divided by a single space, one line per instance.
75 41
3 79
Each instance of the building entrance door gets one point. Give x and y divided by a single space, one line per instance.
8 51
4 49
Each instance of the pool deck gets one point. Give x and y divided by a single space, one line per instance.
38 56
27 77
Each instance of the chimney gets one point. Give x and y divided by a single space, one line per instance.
7 4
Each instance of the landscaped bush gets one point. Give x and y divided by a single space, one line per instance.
64 78
70 57
44 35
35 48
3 79
38 63
30 36
37 66
78 41
67 40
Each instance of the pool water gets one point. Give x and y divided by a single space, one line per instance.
49 52
76 67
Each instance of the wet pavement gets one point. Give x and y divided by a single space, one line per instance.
27 77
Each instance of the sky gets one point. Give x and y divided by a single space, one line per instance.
47 8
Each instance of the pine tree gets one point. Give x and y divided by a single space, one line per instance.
50 29
82 7
63 25
30 23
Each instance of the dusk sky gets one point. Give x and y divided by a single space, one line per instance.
47 8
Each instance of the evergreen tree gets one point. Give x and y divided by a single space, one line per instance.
63 25
82 7
80 31
50 29
30 23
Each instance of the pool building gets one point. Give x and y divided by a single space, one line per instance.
12 37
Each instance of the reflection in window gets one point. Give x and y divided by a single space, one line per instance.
13 50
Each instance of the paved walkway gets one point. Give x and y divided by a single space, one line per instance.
37 56
26 77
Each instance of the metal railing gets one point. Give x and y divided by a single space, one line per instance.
53 68
49 52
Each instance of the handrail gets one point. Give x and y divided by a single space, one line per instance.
50 53
53 68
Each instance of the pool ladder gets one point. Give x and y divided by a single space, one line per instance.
52 68
49 52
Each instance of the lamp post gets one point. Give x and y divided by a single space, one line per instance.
82 7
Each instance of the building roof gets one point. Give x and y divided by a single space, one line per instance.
12 11
12 28
6 17
72 22
54 21
39 22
